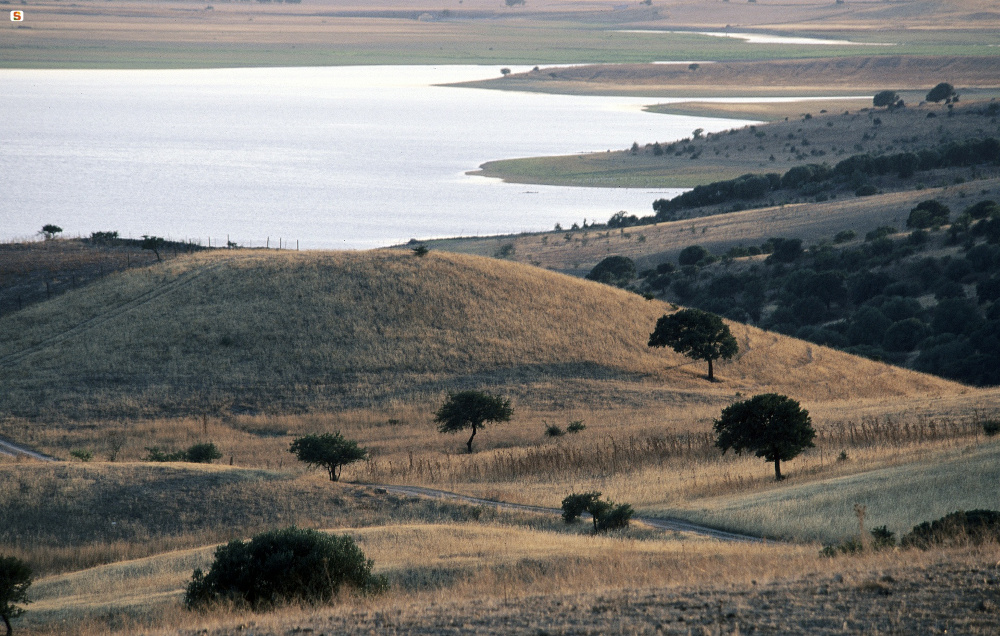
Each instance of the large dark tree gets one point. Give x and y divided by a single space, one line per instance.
292 565
942 92
614 270
331 451
471 409
771 426
885 98
697 334
15 578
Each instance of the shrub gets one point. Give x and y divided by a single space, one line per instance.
554 431
576 426
613 270
82 454
156 454
956 528
204 453
866 190
282 566
928 213
692 255
606 515
991 427
844 236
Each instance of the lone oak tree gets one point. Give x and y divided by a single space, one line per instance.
697 334
331 451
471 409
772 426
15 578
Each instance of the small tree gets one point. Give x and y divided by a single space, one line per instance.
697 334
942 92
153 243
771 426
283 566
606 515
15 579
471 409
331 451
613 270
888 99
49 231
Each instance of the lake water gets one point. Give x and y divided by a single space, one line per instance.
333 157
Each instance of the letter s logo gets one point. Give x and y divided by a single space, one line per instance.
16 16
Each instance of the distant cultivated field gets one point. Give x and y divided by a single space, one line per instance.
336 32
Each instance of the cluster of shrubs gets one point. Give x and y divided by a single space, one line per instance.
862 297
813 179
552 430
203 453
605 514
974 527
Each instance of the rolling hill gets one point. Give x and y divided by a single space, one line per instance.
247 332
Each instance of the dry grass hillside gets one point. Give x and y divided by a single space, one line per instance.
243 332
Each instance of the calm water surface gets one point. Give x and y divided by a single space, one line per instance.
339 157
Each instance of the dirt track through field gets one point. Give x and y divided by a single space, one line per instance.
668 524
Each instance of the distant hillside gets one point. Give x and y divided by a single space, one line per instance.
244 332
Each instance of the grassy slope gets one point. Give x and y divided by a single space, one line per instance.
899 497
224 332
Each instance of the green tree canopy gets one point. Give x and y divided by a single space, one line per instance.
885 98
613 270
282 566
329 450
942 92
697 334
49 231
153 243
15 579
471 409
771 426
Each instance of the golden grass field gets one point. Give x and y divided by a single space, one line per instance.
377 322
251 349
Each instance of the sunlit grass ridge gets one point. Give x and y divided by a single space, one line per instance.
253 331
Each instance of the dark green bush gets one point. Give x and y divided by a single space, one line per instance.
204 453
606 515
956 528
576 426
991 427
282 566
554 431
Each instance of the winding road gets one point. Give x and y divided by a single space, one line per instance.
668 524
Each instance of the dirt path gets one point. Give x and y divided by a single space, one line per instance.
669 524
15 450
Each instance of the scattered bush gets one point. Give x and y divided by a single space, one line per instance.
82 454
613 270
956 528
576 426
606 515
991 427
203 453
928 213
554 431
692 255
282 566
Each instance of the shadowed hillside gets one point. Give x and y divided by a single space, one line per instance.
251 332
